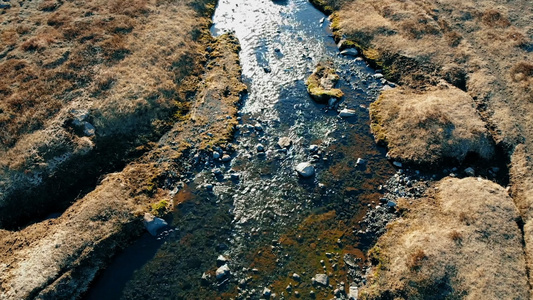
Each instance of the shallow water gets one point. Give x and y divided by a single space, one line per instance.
269 222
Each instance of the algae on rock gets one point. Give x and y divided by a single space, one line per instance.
321 84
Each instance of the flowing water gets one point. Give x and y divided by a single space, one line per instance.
268 222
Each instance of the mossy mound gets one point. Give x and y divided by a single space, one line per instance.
321 84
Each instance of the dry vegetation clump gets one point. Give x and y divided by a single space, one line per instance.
83 85
432 253
58 258
425 128
482 47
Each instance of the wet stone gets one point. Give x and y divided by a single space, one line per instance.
350 52
221 260
216 155
267 293
260 148
226 158
305 169
347 113
284 142
222 272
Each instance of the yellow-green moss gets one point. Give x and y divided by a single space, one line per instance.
316 90
160 208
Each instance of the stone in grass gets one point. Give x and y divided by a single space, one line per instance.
321 84
322 279
153 224
305 169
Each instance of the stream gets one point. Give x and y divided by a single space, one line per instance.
272 229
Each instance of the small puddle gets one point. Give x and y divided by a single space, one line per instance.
266 220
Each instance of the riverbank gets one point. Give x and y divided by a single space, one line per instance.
480 47
60 256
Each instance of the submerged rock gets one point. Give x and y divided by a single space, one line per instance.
305 169
153 224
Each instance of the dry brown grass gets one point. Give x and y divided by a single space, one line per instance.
417 42
57 259
428 127
431 254
128 67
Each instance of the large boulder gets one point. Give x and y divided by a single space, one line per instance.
461 241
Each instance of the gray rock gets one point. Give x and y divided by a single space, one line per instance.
377 76
208 187
305 169
88 129
222 272
221 260
226 158
353 293
235 176
360 162
217 172
391 204
313 148
260 148
470 171
216 155
296 277
350 52
397 164
153 224
332 101
322 279
258 127
347 113
284 142
267 292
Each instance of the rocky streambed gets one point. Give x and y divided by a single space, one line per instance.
291 205
280 210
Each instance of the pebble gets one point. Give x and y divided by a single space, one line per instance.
226 158
347 113
296 277
313 148
284 142
221 260
260 148
397 164
267 292
353 293
350 52
360 162
305 169
216 155
321 279
258 127
222 272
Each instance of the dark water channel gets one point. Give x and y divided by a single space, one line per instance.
260 215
